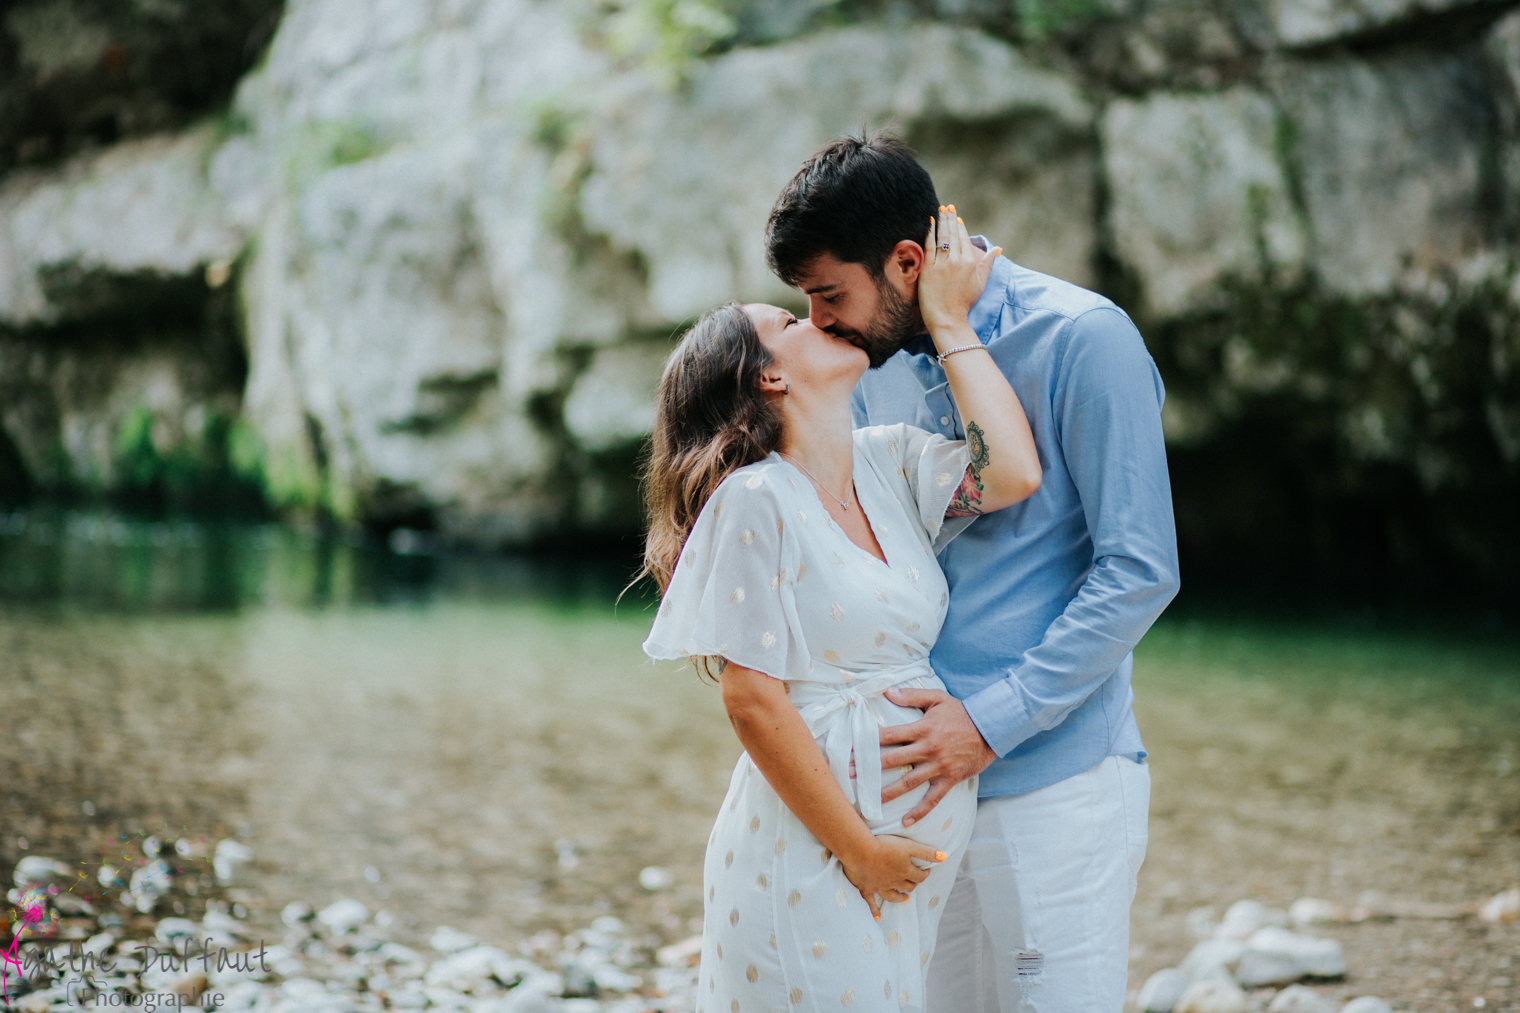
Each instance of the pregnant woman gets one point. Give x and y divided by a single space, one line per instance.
797 562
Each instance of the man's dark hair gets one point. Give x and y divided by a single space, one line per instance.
856 198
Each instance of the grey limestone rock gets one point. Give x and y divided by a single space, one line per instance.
1198 193
1389 154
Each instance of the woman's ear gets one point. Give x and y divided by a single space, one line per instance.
773 384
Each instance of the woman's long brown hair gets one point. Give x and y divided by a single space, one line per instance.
710 418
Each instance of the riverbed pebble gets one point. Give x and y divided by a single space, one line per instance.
1366 1004
1245 917
338 960
1502 907
343 915
1300 999
449 940
148 884
1162 990
230 855
1308 911
1276 956
35 870
1212 959
1213 996
656 877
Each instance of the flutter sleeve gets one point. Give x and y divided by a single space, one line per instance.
932 467
731 593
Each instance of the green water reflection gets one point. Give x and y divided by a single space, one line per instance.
103 561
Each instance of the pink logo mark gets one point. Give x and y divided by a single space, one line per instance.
32 916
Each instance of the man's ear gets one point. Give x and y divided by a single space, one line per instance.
905 262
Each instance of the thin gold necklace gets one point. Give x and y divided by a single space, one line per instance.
842 504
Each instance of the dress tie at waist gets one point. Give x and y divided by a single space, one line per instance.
821 703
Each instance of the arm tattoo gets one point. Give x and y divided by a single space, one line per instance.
976 442
968 498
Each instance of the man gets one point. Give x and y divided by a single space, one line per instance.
1047 598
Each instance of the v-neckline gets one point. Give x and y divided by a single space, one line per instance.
854 461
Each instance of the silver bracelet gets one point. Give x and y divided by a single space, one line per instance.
941 357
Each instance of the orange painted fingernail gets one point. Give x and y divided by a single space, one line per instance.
942 207
939 856
959 222
951 207
877 917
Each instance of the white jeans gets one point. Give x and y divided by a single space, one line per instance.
1038 919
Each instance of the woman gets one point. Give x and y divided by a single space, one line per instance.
798 560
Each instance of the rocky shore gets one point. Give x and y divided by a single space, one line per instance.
113 951
100 944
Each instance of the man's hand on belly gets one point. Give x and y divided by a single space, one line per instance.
943 746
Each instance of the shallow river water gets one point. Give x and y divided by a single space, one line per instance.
478 742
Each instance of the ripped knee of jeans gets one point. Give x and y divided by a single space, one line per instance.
1029 963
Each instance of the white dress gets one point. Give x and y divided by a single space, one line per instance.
769 581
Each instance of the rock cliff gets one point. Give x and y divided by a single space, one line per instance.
452 240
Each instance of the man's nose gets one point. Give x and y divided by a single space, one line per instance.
820 316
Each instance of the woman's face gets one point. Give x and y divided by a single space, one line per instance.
814 362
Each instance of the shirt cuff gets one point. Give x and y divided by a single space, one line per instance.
1000 716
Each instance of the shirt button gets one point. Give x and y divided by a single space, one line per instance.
944 420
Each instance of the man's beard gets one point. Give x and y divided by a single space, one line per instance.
895 324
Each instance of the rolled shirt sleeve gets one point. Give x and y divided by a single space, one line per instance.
1108 410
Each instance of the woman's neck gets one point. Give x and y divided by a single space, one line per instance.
818 437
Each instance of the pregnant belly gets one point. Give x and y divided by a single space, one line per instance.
942 823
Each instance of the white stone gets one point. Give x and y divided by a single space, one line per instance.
536 994
1197 194
343 915
221 921
1501 907
1300 999
1162 990
1245 917
1366 1004
450 940
40 1002
1313 911
1202 922
1212 996
467 970
33 870
656 877
1275 956
229 856
149 883
169 930
682 954
1211 956
296 913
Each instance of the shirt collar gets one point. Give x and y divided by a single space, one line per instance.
984 313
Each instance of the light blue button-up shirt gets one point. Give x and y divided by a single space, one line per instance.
1049 597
